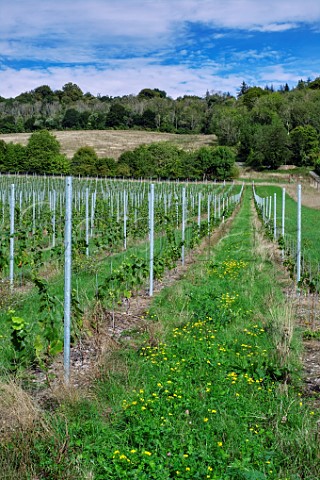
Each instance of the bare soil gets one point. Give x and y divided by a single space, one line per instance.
112 143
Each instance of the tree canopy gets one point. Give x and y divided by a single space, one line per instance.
166 161
40 155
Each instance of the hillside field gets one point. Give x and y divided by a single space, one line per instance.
111 143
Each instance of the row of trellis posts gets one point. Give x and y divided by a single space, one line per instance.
306 274
267 205
88 222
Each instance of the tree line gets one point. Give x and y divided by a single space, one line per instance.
163 160
264 127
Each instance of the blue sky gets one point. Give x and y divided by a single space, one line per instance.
118 47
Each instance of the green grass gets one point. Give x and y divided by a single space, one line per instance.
213 399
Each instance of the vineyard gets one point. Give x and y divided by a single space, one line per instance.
211 387
109 248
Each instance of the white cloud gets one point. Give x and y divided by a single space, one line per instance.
277 27
250 14
80 31
20 51
148 19
279 74
94 20
217 36
175 80
247 55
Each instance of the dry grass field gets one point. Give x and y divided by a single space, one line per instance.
111 143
